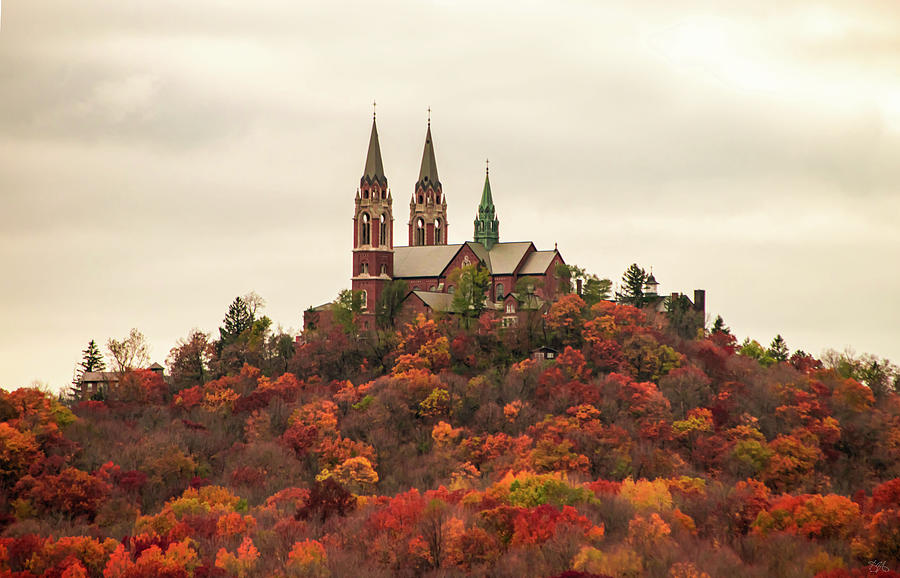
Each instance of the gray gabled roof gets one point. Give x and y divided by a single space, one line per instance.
423 261
537 263
504 258
99 376
434 300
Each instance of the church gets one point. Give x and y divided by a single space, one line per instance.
427 262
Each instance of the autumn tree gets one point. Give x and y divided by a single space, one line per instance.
132 352
593 289
632 288
189 360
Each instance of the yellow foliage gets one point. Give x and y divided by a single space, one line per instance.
647 495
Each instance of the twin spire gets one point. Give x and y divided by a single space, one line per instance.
487 225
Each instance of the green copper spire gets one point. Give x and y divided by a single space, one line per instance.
487 225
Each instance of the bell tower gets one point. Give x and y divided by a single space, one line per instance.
428 207
487 225
373 231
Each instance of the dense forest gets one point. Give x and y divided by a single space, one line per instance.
649 445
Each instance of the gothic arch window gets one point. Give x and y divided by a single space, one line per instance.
438 232
499 291
383 269
420 198
382 232
365 230
437 198
420 231
365 299
365 193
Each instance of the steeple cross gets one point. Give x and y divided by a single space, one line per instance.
487 166
429 116
373 110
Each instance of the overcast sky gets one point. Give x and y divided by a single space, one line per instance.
159 158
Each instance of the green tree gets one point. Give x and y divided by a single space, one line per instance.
719 326
593 289
471 282
91 360
346 308
778 349
632 292
390 302
238 319
684 320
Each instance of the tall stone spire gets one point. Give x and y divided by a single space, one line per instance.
487 225
374 171
428 173
428 207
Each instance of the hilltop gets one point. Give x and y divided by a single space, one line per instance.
595 439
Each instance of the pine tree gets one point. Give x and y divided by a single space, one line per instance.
633 286
778 349
719 326
91 360
238 319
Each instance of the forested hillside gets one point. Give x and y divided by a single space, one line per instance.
649 446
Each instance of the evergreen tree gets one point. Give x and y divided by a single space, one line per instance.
683 319
778 349
91 360
719 326
633 286
238 319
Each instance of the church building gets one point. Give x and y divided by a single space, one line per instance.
427 262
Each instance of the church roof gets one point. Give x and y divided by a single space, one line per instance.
374 168
503 258
428 173
431 260
537 263
423 260
434 300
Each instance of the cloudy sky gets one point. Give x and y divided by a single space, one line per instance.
159 158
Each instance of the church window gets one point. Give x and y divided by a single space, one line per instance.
365 299
383 269
510 308
451 290
365 230
420 231
382 233
437 198
420 198
364 269
466 261
437 231
499 291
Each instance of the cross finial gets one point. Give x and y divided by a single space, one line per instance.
487 166
373 110
429 116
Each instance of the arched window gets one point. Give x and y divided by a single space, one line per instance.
382 232
364 269
420 231
420 198
437 231
451 290
365 299
499 291
383 269
365 230
437 198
